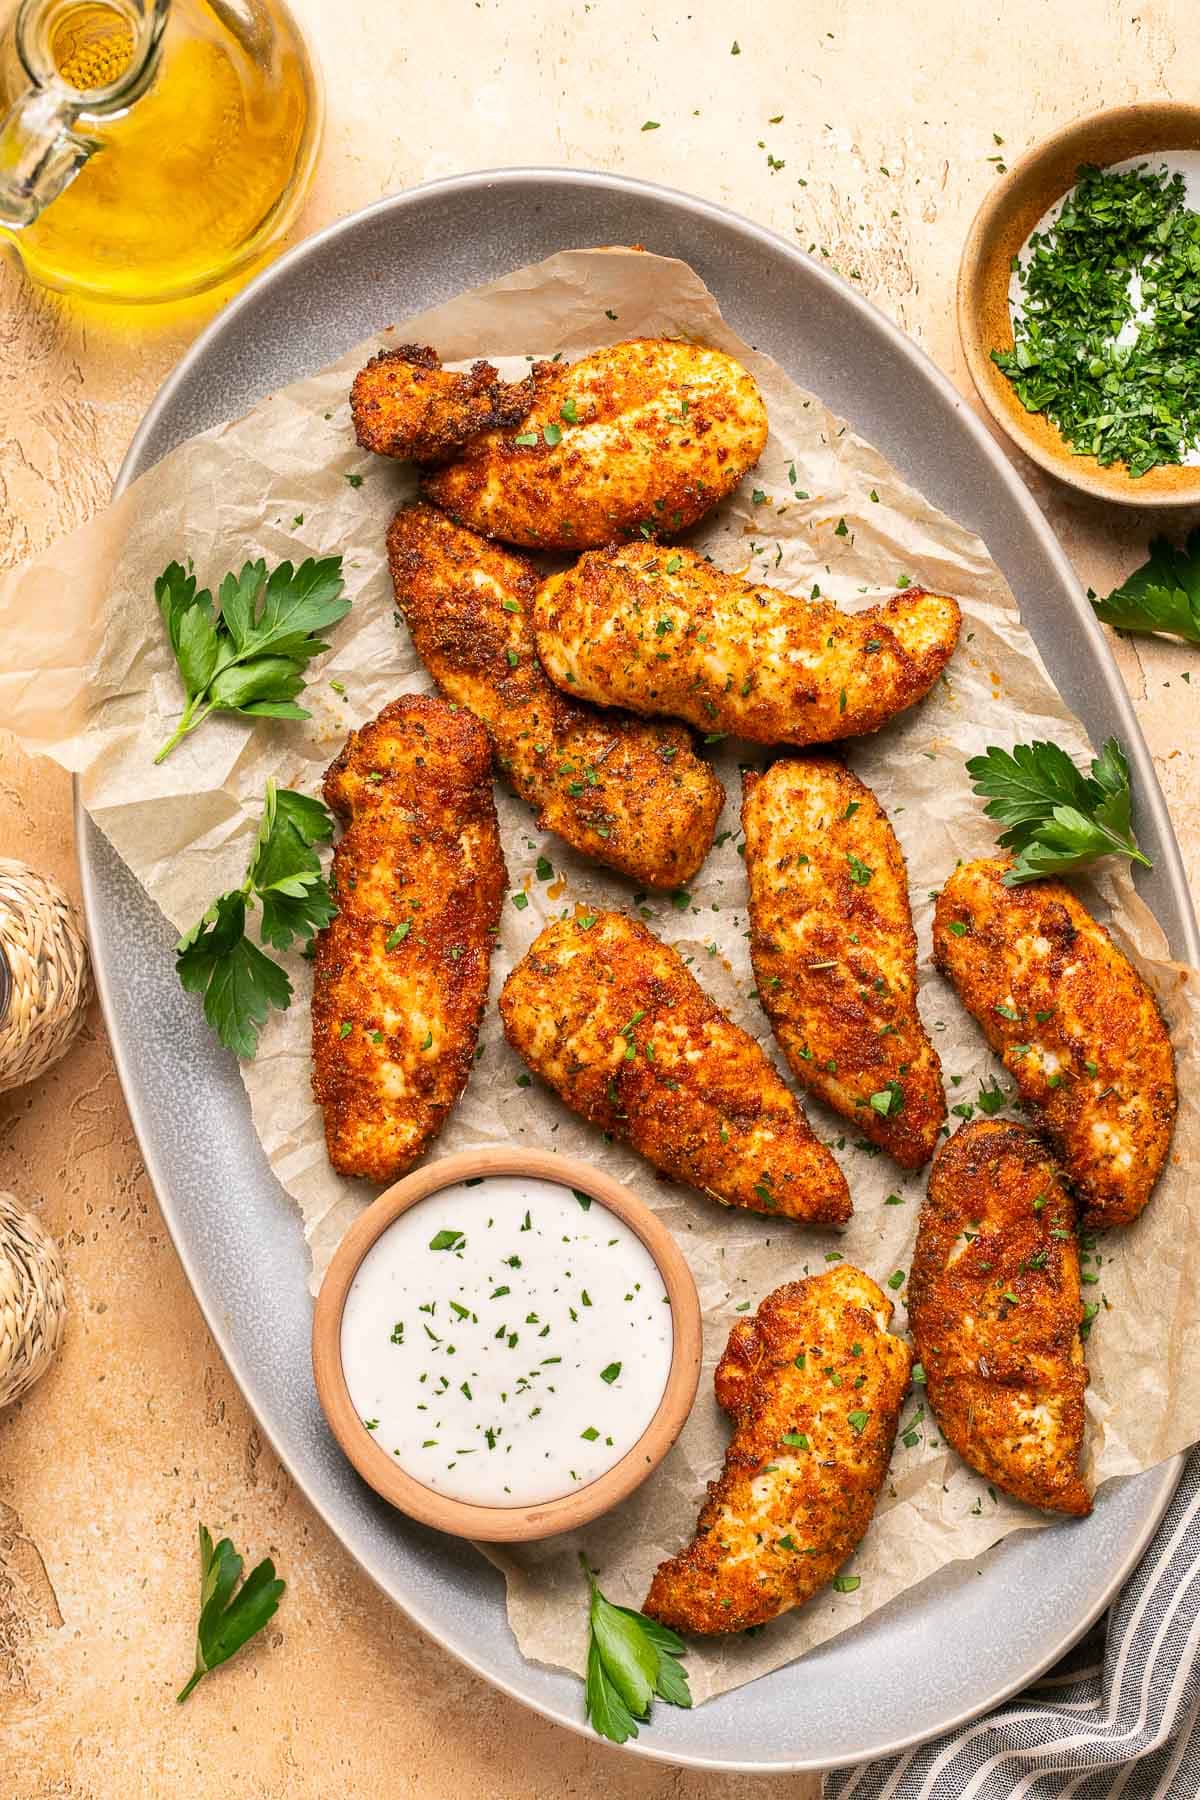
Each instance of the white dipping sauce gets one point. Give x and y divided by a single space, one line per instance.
519 1362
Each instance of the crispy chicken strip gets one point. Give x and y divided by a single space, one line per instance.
401 975
1075 1025
994 1309
660 630
646 435
632 794
813 1384
835 954
614 1021
405 404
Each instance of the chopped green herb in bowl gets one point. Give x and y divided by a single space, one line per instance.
1105 338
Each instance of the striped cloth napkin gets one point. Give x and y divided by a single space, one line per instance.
1119 1716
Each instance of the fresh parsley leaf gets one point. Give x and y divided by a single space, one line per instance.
240 985
250 657
1056 818
215 958
603 1705
285 872
630 1660
229 1620
1162 595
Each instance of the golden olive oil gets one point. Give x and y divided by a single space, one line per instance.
188 181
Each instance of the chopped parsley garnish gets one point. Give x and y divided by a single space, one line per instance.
448 1240
992 1098
889 1100
1104 334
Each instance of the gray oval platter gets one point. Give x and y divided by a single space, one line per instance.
973 1634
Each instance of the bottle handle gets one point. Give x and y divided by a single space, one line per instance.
40 154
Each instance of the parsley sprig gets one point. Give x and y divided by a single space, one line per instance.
249 657
228 1620
216 958
1162 595
630 1659
1057 818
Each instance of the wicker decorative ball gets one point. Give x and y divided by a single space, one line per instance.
44 977
33 1299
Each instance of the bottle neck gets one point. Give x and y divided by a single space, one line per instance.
98 54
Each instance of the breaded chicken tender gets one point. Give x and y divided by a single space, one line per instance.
813 1384
660 630
400 978
614 1021
1075 1025
634 795
405 404
994 1309
641 436
835 954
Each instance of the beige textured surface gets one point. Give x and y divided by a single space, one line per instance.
139 1432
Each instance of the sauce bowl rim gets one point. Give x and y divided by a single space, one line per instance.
543 1519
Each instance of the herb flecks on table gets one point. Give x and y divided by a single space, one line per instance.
1058 820
249 657
228 1620
1163 595
216 958
631 1659
1105 339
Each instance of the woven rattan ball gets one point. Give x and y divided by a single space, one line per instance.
44 980
33 1299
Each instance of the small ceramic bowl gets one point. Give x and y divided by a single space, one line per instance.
506 1524
1004 221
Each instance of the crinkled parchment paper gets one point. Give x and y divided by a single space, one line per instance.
88 679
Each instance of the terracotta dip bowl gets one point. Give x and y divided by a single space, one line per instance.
1002 225
518 1523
